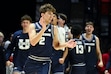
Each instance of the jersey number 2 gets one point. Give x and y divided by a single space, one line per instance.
42 41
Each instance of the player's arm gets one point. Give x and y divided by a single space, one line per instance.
10 49
65 53
99 54
56 43
69 34
33 36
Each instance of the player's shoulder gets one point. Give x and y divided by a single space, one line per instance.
61 29
18 32
78 40
96 37
82 36
66 26
32 25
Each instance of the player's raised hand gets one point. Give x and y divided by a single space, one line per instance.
43 23
71 43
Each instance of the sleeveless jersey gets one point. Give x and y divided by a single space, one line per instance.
77 54
44 47
91 56
20 46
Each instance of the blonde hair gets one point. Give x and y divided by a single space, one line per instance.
1 34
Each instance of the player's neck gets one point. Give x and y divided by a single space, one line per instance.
25 31
76 37
88 36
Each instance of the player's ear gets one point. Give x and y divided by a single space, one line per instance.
42 14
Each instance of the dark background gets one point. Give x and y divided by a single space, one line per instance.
11 13
77 12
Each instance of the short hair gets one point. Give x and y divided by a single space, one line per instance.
76 30
1 34
47 7
56 14
26 17
62 16
89 23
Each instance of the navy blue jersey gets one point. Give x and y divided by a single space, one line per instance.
91 55
44 47
20 46
56 54
77 54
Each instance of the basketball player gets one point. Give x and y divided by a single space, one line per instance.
20 46
41 40
58 56
93 53
77 54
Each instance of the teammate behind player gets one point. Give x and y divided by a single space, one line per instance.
77 54
58 56
20 46
93 52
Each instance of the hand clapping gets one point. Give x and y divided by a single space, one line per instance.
71 43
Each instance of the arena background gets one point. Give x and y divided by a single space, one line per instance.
77 11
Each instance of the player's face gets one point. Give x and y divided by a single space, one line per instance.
89 29
61 21
25 24
54 20
47 16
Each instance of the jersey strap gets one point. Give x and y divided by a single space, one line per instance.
52 30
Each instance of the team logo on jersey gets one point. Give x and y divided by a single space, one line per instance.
93 41
24 44
49 30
